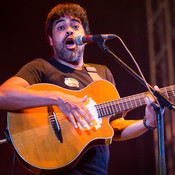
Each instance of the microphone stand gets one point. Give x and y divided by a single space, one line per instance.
159 109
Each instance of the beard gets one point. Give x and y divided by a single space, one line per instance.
71 56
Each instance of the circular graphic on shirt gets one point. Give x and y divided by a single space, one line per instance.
71 82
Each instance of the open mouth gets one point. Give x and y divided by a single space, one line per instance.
70 43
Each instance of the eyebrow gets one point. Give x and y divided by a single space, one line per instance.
76 20
73 19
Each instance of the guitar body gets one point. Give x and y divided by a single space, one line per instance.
35 142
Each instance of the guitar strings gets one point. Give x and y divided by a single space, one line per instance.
169 94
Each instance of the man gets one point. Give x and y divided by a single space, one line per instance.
66 69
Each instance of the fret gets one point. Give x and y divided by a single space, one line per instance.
99 111
110 108
121 104
126 103
119 109
140 102
102 109
134 101
113 108
172 90
166 93
130 106
107 108
116 106
143 99
140 97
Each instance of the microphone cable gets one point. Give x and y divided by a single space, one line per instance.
138 68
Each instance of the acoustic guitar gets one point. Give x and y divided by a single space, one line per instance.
46 141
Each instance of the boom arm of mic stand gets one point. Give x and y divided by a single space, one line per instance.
162 100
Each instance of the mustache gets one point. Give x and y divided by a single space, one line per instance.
65 38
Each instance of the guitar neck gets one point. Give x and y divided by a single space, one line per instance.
130 102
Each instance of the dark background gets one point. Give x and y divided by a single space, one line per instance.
23 39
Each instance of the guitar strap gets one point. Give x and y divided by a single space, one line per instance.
92 72
94 75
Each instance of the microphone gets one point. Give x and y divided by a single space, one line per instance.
79 40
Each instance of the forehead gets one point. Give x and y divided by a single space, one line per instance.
67 19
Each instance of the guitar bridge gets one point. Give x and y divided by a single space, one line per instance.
55 125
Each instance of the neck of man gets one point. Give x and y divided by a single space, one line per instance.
77 66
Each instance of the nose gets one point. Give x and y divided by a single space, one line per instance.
69 31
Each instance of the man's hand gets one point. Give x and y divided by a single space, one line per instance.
150 113
74 109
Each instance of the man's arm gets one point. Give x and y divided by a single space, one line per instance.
14 95
127 129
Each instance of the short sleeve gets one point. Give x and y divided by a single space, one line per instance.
32 72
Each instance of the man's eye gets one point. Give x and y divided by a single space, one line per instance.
61 28
75 26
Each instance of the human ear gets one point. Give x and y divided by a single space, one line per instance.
50 40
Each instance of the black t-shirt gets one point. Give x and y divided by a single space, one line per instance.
95 160
39 71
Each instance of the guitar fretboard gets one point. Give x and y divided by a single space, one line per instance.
130 102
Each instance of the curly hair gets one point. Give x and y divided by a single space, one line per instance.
66 9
